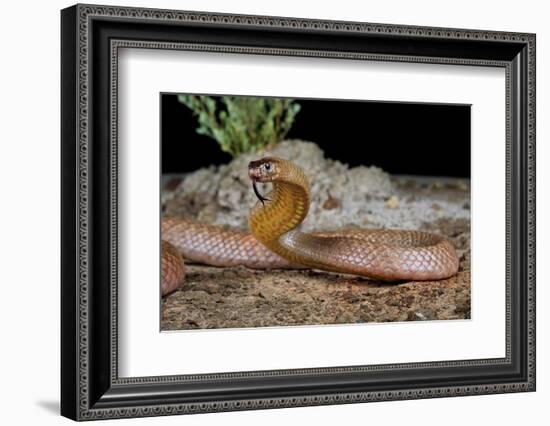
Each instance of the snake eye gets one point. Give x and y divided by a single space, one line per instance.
267 166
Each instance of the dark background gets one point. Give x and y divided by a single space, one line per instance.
401 138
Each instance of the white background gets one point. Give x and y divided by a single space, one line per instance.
29 226
140 343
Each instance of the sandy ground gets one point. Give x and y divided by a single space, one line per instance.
238 297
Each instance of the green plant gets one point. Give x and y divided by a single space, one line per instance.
242 124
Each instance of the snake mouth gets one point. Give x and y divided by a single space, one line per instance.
257 192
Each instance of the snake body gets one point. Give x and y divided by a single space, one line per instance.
275 243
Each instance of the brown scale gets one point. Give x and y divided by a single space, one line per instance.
274 243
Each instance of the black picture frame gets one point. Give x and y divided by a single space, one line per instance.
90 386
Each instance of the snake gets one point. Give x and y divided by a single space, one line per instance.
275 241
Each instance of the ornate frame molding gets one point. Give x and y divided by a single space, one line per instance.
111 396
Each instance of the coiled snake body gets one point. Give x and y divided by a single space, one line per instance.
275 243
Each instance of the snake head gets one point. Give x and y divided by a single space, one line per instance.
263 170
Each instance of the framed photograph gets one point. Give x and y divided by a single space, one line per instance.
263 212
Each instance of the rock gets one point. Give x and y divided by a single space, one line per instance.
420 315
392 202
459 184
463 186
341 196
331 203
230 188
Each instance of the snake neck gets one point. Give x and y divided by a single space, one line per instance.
279 217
